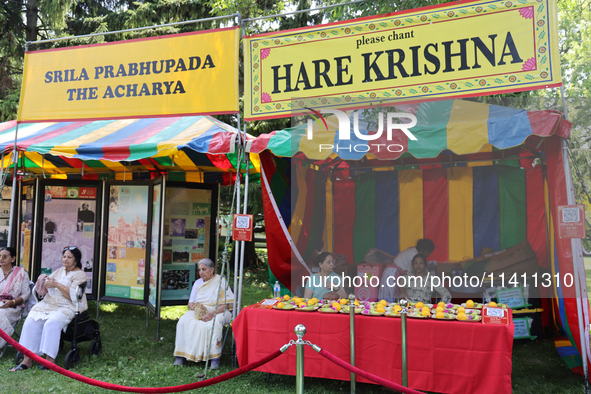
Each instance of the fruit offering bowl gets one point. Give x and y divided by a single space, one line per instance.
307 308
443 316
345 309
327 310
372 312
284 306
470 318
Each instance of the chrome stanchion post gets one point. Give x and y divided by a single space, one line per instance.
403 304
300 331
352 335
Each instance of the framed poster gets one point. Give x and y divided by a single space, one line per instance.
177 280
70 217
27 226
154 268
6 193
127 229
189 233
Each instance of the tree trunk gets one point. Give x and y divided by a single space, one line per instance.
251 260
32 28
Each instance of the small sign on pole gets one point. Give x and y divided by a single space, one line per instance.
242 230
571 221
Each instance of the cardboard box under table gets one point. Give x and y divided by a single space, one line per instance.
443 356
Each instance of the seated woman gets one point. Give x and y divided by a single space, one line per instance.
418 284
319 284
48 318
14 291
193 336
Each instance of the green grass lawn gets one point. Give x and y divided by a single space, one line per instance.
132 356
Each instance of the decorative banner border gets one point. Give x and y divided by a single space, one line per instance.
177 75
446 51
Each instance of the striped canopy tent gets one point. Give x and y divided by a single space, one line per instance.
478 176
190 148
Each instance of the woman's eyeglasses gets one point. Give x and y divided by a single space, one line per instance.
70 248
203 269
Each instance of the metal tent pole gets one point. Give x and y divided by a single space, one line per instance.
13 217
236 243
576 253
242 243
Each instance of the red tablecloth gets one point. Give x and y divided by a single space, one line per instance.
443 356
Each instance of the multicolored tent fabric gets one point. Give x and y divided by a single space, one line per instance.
191 148
492 193
449 127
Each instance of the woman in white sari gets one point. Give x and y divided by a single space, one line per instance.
48 318
193 336
14 291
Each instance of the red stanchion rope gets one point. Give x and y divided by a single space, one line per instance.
117 387
366 375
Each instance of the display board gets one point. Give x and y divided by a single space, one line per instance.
126 241
177 280
70 218
26 225
188 236
155 236
5 215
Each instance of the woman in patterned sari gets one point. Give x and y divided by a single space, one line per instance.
48 318
193 331
418 283
14 291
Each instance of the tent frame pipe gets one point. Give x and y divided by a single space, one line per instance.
242 243
302 11
576 253
132 30
236 243
14 181
433 163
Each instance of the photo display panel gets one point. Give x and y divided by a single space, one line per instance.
26 226
186 238
126 244
5 215
154 245
69 219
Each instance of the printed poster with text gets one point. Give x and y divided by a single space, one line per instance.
69 220
5 214
187 218
26 228
126 246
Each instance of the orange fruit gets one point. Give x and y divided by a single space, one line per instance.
280 305
461 310
492 303
441 304
439 315
343 301
311 302
470 304
419 305
425 312
439 309
286 297
380 308
462 316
